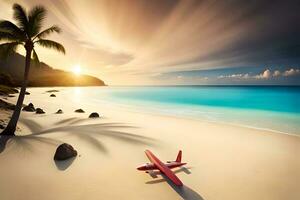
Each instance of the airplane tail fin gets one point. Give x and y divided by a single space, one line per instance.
178 159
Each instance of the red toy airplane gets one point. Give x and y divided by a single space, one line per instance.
156 164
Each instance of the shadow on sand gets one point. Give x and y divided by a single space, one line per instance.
3 141
90 133
64 164
184 191
25 143
154 174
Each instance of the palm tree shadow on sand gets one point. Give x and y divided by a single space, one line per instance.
25 142
3 141
184 191
90 133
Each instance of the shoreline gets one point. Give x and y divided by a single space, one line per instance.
204 104
210 121
185 117
138 109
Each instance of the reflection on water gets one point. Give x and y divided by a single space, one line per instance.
77 93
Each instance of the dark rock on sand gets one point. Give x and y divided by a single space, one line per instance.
52 95
64 151
29 108
59 111
79 111
50 91
27 93
39 111
94 115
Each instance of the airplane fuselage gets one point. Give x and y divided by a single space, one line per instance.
151 166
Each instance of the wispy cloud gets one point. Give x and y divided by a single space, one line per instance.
235 76
152 37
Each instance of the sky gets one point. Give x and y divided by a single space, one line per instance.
167 42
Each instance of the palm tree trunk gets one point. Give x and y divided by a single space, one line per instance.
12 125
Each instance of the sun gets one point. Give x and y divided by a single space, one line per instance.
77 70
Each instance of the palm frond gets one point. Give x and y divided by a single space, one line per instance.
7 36
36 17
35 57
48 31
20 16
51 45
9 27
8 48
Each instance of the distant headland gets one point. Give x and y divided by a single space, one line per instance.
12 72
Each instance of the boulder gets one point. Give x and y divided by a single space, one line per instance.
29 108
79 111
39 111
50 91
52 95
94 115
59 111
64 152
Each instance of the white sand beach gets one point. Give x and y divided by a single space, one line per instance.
225 162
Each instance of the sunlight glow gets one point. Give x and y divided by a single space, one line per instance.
77 70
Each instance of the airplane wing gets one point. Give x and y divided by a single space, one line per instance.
163 168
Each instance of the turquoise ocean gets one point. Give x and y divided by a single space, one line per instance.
275 108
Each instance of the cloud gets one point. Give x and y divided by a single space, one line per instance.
276 73
156 74
266 74
181 35
291 72
153 37
235 76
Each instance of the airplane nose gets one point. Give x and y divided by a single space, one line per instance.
141 168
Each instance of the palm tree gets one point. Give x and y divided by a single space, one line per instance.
27 33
